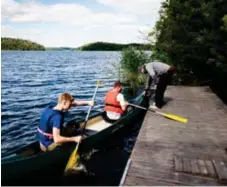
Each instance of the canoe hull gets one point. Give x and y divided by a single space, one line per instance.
36 170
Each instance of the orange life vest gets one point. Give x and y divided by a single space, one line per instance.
111 103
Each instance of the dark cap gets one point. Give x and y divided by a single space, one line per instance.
143 67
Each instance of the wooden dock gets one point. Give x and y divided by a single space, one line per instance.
172 153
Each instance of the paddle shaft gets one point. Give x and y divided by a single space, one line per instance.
89 111
170 116
73 157
145 108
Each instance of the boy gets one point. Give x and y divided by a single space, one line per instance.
115 104
51 123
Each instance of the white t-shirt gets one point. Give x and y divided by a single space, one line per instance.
114 115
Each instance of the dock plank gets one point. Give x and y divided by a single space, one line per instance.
178 163
186 165
221 169
210 168
202 167
195 167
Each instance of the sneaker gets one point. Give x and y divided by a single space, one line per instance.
153 106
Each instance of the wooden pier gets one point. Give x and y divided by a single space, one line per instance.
172 153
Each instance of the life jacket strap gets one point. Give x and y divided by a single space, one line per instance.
50 136
116 106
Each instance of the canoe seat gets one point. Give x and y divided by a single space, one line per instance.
93 126
99 126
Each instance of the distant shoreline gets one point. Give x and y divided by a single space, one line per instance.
103 46
14 44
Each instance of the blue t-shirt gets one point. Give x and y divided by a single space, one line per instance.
50 118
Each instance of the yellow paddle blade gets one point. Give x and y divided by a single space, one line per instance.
73 159
99 83
176 118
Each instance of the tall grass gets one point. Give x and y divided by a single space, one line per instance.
131 60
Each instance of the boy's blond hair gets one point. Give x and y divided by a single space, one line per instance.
65 97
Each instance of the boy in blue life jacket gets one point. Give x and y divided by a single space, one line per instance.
51 123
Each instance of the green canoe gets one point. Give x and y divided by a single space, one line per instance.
29 166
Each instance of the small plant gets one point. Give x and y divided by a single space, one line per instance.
131 60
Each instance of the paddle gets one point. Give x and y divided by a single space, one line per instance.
170 116
74 156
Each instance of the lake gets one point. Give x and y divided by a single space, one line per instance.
32 80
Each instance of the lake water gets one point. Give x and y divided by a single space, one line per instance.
32 80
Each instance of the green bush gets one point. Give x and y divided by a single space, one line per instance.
131 60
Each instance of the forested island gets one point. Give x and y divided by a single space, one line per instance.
20 44
105 46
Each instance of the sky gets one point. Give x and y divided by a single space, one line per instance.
72 23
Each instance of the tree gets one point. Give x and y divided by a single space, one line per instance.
192 36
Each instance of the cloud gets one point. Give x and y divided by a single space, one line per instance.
73 14
9 31
29 34
139 7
